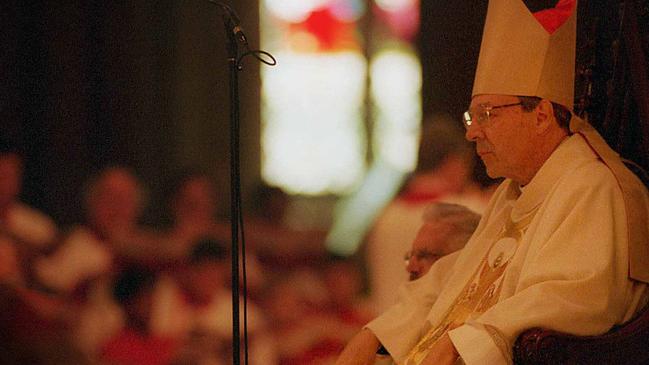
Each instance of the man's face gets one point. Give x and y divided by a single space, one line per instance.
429 245
504 140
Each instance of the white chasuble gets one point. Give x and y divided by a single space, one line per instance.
553 254
480 293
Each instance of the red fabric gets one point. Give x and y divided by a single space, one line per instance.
352 316
323 350
326 346
419 197
132 348
23 322
553 19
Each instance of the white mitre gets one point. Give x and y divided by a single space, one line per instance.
519 56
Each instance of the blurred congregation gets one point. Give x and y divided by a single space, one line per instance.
114 232
112 290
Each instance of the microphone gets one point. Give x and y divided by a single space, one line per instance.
232 22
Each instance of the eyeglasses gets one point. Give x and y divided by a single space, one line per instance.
482 115
420 255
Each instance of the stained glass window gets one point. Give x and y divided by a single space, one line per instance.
344 95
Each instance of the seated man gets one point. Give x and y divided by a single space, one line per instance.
562 242
192 303
446 229
82 266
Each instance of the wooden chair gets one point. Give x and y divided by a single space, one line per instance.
624 344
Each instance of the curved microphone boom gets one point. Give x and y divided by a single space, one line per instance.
232 21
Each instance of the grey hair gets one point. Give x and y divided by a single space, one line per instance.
561 113
462 220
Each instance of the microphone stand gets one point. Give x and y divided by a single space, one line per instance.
235 37
235 188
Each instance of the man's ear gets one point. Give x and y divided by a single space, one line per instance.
544 116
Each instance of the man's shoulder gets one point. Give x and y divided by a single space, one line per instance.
583 167
592 172
591 181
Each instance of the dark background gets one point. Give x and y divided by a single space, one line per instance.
142 83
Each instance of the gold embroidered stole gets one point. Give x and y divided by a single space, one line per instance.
480 293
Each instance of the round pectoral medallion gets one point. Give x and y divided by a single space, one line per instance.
502 252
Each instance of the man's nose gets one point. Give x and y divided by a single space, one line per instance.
473 133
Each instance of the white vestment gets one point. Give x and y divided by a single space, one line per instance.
568 270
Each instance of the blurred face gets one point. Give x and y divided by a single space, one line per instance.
429 245
195 200
504 140
115 201
11 170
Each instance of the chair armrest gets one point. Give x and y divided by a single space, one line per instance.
624 344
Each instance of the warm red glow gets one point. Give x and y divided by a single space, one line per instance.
330 32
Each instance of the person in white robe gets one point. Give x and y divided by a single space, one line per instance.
563 243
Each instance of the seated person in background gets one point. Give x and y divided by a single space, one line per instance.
192 209
29 228
296 301
135 344
343 280
81 268
111 235
193 304
115 199
35 325
273 238
344 311
564 240
446 229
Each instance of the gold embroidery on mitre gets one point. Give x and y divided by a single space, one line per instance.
480 293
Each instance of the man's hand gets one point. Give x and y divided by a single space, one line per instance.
360 350
442 353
